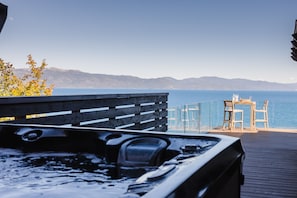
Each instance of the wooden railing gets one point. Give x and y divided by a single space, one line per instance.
146 111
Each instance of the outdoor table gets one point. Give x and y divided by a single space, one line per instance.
252 105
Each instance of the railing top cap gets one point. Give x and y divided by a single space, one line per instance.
25 99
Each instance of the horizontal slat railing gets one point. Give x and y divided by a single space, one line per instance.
143 111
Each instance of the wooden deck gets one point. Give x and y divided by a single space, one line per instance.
270 165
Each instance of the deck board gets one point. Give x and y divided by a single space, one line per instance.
270 165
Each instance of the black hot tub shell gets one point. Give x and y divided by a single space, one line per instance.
162 164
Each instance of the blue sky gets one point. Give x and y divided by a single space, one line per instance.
155 38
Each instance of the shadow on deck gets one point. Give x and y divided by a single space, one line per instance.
270 165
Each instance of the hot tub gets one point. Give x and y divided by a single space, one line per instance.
51 161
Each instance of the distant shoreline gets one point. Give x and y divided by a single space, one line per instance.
81 80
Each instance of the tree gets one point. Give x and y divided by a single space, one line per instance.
30 84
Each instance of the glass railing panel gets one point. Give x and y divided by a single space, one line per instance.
196 117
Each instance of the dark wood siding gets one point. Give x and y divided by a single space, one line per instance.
147 111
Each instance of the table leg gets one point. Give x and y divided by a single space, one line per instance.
253 116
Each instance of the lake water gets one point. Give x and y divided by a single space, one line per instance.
282 107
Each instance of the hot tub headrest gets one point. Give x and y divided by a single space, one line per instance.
142 151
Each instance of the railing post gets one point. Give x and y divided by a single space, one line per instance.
23 117
76 117
137 115
112 119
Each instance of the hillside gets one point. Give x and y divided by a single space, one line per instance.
77 79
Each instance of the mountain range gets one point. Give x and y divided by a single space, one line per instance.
77 79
